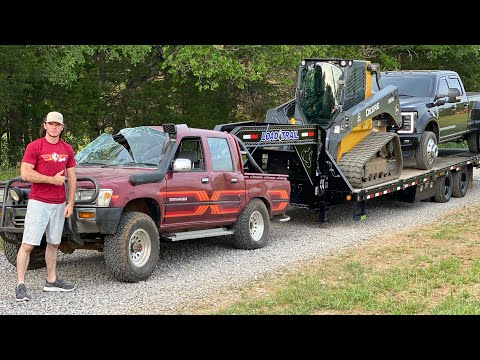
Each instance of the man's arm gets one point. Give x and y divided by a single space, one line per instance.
28 174
72 187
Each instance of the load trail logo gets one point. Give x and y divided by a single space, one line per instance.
281 135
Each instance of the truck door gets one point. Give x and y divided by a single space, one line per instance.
227 181
187 194
446 118
460 109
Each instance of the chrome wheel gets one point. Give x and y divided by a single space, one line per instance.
432 151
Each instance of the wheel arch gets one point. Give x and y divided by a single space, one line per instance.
432 125
147 206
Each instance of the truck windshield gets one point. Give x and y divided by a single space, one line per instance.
319 93
408 85
139 146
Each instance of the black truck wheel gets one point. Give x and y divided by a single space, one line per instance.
132 253
444 188
252 227
460 182
37 256
427 151
473 143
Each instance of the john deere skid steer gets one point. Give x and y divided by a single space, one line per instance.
336 94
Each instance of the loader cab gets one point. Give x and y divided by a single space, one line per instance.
318 92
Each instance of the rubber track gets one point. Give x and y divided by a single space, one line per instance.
353 162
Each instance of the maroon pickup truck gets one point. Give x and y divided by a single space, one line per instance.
150 184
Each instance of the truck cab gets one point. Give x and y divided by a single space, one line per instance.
435 109
152 183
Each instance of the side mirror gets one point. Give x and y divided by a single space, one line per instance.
182 165
454 95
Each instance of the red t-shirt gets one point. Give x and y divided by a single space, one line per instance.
49 159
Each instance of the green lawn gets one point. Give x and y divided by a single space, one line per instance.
430 270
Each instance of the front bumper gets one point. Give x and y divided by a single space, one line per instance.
409 141
101 221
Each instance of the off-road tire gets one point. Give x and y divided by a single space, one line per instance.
473 143
37 256
444 187
427 151
461 181
130 264
252 227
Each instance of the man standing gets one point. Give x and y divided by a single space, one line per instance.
46 162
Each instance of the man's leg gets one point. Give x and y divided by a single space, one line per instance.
36 221
23 258
51 254
54 233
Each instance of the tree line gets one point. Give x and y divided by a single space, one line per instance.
104 88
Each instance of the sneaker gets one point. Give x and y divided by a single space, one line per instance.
57 285
21 293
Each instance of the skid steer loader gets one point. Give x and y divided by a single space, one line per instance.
359 125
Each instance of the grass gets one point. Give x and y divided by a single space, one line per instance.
454 145
431 270
8 173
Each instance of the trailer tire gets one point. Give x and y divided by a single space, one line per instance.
427 151
461 182
444 187
252 227
473 143
132 253
37 256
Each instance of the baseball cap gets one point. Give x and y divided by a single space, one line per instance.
54 116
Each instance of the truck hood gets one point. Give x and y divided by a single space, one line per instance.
412 102
108 175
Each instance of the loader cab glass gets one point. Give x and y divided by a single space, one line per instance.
318 93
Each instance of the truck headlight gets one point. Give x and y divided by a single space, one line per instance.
2 195
103 199
408 122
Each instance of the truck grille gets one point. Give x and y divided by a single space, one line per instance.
19 221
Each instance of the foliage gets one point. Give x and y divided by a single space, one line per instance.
103 88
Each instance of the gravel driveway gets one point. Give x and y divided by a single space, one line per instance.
192 270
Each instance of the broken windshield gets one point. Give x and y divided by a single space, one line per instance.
139 146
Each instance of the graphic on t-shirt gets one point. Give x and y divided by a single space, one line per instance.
55 157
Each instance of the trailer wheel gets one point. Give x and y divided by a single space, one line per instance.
427 151
132 253
444 187
37 256
252 227
460 182
473 143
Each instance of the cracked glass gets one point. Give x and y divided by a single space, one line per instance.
140 146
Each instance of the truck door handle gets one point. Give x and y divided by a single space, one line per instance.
234 181
205 181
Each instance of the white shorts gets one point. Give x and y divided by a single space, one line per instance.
43 218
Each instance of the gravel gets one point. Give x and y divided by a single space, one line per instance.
193 270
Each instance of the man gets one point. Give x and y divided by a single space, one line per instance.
46 163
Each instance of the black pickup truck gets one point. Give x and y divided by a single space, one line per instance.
435 109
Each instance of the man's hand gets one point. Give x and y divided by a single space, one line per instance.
58 179
68 210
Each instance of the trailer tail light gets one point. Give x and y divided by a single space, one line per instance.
308 134
250 137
